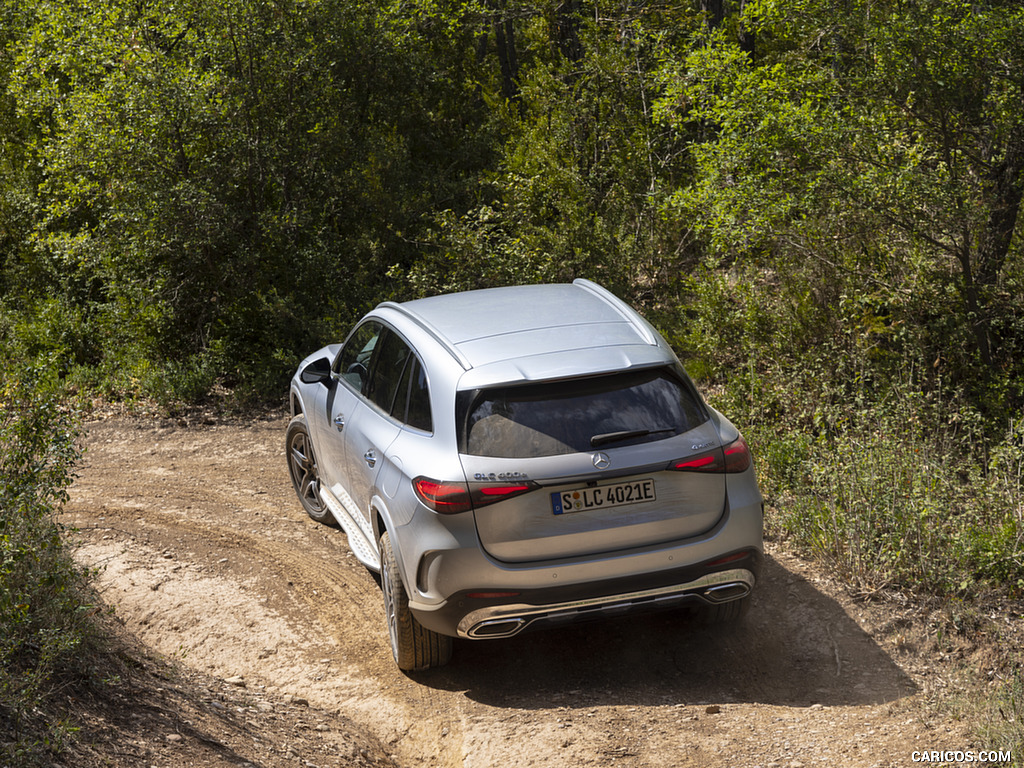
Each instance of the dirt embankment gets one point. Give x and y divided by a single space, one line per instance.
207 557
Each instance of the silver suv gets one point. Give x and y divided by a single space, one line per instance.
520 457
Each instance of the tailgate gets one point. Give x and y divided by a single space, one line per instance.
581 506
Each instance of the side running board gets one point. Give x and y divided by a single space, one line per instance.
348 517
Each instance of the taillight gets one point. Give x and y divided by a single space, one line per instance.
489 494
712 461
446 498
449 498
735 457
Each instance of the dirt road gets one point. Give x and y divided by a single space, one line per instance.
208 557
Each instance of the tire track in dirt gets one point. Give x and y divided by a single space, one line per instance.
336 595
307 592
198 495
209 557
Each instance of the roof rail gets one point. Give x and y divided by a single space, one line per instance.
631 315
431 331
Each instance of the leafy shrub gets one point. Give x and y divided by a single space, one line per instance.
897 499
43 603
1003 729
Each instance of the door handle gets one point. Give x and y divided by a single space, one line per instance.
339 421
370 457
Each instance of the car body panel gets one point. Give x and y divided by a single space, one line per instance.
457 570
340 407
550 306
368 436
575 363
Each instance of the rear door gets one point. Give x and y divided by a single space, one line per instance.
596 453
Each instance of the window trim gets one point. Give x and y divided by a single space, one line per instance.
385 328
415 359
375 363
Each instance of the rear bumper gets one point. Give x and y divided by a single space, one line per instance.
508 620
472 615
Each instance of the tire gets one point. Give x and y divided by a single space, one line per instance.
413 646
303 469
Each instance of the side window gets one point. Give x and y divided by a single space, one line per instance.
353 364
388 368
412 405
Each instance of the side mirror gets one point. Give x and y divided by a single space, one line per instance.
317 372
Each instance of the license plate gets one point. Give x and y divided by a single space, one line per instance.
602 496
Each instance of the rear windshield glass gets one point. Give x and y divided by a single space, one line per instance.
579 415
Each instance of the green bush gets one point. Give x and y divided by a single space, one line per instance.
43 600
898 497
1003 729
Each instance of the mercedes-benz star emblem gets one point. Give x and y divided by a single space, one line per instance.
601 460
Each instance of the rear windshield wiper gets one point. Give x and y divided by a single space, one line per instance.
628 434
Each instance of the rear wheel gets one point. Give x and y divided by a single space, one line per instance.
304 471
413 646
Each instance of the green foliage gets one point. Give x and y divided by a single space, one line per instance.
210 181
826 227
870 150
193 197
1003 727
858 187
897 498
43 603
576 187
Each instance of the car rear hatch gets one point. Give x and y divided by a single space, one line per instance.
590 466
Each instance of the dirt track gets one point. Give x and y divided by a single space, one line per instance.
208 557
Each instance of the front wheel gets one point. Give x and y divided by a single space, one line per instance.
413 646
303 469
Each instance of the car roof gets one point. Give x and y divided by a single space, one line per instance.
487 327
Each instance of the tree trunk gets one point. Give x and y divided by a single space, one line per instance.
567 30
714 10
1007 186
1006 189
746 35
504 37
972 303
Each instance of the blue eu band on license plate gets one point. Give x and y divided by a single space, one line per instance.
603 496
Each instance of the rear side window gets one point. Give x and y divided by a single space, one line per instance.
388 367
549 419
412 403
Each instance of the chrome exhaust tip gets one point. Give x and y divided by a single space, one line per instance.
497 628
724 593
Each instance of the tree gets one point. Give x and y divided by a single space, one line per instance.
223 185
577 185
882 142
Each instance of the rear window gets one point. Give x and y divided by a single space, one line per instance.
564 417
